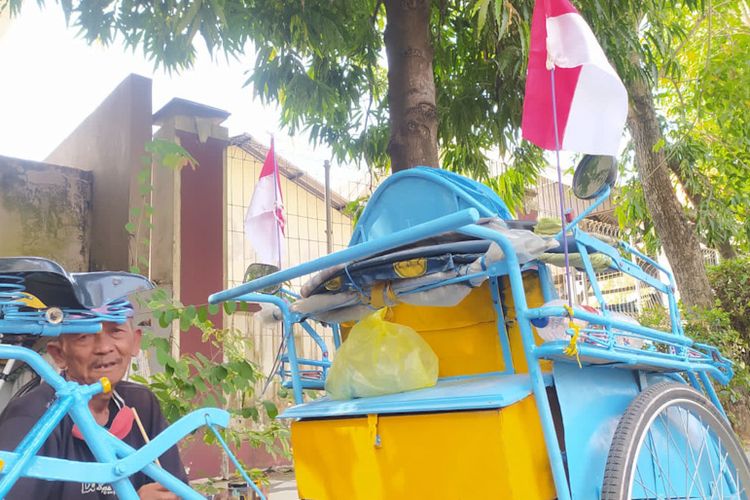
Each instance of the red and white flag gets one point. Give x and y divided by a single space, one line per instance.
591 101
264 220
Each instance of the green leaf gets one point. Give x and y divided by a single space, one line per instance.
202 313
271 410
230 307
482 19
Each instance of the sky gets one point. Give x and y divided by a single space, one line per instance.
50 80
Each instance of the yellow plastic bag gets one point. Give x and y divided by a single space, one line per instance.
380 357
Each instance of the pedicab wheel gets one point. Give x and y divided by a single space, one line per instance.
673 443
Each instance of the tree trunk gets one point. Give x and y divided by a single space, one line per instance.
411 85
675 233
724 246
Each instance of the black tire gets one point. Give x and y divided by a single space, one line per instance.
665 401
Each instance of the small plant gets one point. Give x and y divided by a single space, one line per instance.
158 153
228 381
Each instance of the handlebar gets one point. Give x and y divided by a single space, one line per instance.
57 469
45 329
38 364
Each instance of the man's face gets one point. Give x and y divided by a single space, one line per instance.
87 358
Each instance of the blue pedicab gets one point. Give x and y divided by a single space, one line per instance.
39 299
612 410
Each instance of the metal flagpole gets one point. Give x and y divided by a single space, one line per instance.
276 204
568 283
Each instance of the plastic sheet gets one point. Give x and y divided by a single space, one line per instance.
380 357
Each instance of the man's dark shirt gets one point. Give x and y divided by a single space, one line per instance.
22 413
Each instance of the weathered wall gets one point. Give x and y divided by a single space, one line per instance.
110 142
45 211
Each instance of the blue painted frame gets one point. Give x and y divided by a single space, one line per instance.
459 213
116 461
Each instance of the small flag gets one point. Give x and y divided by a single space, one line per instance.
264 220
591 101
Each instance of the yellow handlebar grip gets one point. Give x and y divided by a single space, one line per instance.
106 385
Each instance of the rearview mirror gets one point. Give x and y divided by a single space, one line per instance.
592 176
258 270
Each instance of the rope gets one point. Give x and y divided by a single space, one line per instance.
572 349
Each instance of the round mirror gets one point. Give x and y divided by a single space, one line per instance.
593 174
258 270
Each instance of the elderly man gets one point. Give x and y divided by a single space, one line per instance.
86 359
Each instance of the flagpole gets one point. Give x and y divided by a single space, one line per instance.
560 190
276 189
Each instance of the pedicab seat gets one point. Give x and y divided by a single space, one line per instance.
53 286
450 394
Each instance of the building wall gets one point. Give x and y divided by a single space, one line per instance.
110 143
45 211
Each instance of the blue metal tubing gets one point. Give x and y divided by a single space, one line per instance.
649 333
674 311
625 265
134 462
548 291
310 362
270 299
592 276
318 340
694 382
535 372
289 319
305 384
33 441
451 281
556 348
502 331
420 231
82 416
291 349
291 293
236 462
46 329
288 333
73 398
646 258
57 469
711 393
336 335
599 200
36 362
153 471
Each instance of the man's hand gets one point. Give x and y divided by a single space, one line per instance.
155 491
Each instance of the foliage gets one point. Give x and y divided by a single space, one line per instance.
710 132
731 283
159 153
323 63
193 381
725 326
713 326
690 52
